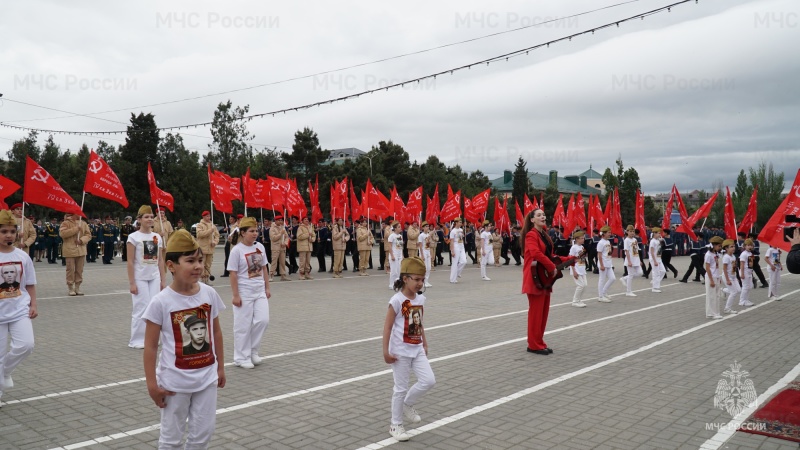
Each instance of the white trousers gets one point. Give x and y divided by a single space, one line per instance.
402 394
199 409
774 282
485 257
147 290
606 279
394 270
733 290
20 332
459 261
712 296
747 286
426 256
635 270
657 274
250 321
580 285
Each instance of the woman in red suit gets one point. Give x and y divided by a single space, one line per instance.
537 246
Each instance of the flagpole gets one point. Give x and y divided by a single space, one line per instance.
21 231
160 222
212 211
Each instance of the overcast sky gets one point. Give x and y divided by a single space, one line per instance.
686 97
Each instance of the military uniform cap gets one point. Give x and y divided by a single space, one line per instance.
605 229
727 242
578 234
413 265
716 240
748 241
145 209
6 218
181 241
191 320
424 223
248 222
656 230
486 222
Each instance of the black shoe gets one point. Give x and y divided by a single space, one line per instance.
321 271
696 280
596 272
505 263
675 274
549 350
381 268
224 275
539 352
682 280
518 264
764 286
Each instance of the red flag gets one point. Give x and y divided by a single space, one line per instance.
434 208
414 205
277 191
341 194
686 225
255 192
398 207
313 194
520 217
750 216
730 216
452 206
7 187
355 208
772 233
668 212
480 202
103 182
569 218
639 221
527 206
41 189
597 214
541 201
378 206
581 213
703 211
219 192
616 216
505 221
558 215
157 195
233 186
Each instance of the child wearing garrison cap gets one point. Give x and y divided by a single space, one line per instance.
656 249
633 260
17 301
731 284
405 346
578 270
247 266
713 278
604 262
773 258
487 249
184 317
146 273
746 261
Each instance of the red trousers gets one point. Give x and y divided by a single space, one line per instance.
538 309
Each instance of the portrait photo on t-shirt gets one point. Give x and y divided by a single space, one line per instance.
10 276
191 329
413 325
255 263
149 252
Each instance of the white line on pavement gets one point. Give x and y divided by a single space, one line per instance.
480 408
373 375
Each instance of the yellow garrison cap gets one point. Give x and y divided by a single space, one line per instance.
715 240
578 234
424 223
181 241
6 218
605 229
656 230
727 242
248 222
486 222
145 209
413 265
630 228
748 241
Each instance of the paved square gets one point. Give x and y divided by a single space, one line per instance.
635 373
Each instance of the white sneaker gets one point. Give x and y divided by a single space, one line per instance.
716 317
604 299
746 303
245 365
256 360
630 294
8 383
658 291
623 280
398 432
411 414
427 285
486 279
730 311
725 291
579 304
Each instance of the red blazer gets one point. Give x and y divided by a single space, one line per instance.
535 251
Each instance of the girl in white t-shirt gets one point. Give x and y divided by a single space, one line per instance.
487 250
405 346
146 272
730 283
746 262
633 260
578 270
396 255
773 258
247 266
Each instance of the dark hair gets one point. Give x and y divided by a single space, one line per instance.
237 235
399 284
175 256
526 227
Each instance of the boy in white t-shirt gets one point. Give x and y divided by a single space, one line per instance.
578 270
605 265
713 279
731 286
633 261
184 316
656 248
746 261
773 258
487 249
17 301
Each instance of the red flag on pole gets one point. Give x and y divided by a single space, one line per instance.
414 205
772 233
452 206
41 189
102 182
581 212
558 215
639 221
751 215
665 222
157 195
569 218
470 215
528 205
520 217
480 202
616 216
219 188
355 208
277 190
7 187
730 216
434 208
703 211
295 205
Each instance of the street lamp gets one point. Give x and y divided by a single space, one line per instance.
370 163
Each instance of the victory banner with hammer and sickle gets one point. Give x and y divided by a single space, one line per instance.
41 189
101 181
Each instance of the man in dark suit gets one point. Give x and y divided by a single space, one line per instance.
323 237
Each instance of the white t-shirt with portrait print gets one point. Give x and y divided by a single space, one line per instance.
248 262
396 240
145 255
16 272
632 249
406 336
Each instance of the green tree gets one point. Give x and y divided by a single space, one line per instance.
770 191
140 148
521 182
306 156
230 151
15 166
180 164
741 194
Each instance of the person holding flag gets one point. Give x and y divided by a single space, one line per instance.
75 235
26 234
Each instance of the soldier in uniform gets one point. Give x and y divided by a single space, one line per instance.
125 230
323 237
163 228
265 239
92 244
352 247
386 231
26 232
39 244
305 242
52 239
110 235
207 239
278 237
75 235
339 240
411 240
364 241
